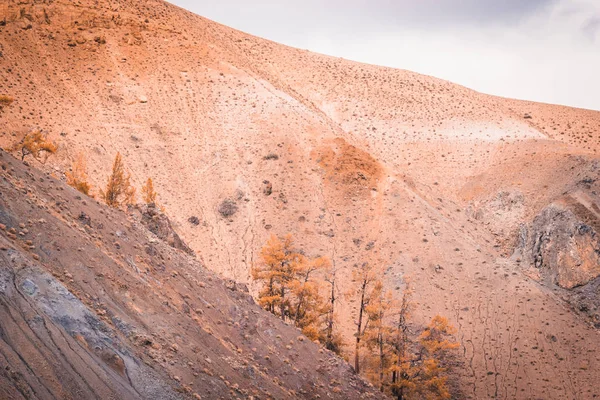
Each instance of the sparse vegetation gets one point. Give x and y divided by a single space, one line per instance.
227 208
118 190
148 193
400 363
78 178
271 156
5 101
37 145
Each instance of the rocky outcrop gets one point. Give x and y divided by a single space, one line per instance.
51 344
160 225
561 249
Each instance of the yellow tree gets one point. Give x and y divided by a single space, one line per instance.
277 269
77 178
402 368
435 339
308 305
364 278
379 332
37 145
118 189
148 193
427 377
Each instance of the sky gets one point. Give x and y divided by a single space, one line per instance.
539 50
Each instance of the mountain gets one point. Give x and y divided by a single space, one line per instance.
95 305
489 205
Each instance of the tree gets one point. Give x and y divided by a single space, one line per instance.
422 375
435 338
277 268
148 193
332 340
364 278
37 145
290 285
118 189
77 178
308 305
378 332
401 368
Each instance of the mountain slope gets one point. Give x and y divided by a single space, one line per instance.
93 305
365 164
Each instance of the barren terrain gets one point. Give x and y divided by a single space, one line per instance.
454 188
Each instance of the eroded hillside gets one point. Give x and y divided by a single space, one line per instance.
94 305
361 163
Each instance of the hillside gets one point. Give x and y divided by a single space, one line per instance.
96 306
427 178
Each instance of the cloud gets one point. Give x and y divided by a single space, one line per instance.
445 12
541 50
591 28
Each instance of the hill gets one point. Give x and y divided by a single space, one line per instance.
364 164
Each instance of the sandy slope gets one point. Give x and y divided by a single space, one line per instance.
374 164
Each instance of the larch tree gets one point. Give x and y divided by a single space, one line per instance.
148 193
292 287
379 331
332 340
425 377
308 305
118 189
401 367
37 145
277 269
77 177
364 278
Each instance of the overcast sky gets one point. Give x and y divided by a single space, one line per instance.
542 50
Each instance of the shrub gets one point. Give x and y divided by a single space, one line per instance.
227 208
271 156
77 178
5 101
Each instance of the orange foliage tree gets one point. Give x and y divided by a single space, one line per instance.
435 343
118 190
148 193
402 364
308 306
290 288
37 145
420 375
364 278
378 332
77 178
